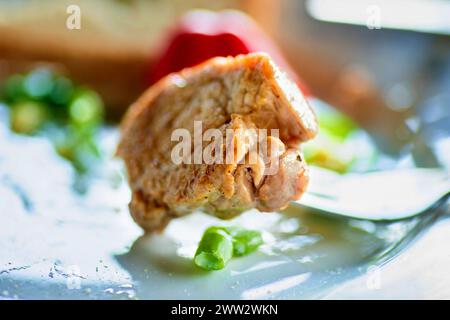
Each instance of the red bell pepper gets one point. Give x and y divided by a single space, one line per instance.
201 35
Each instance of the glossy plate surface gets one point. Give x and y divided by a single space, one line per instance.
57 244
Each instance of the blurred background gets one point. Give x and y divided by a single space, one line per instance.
386 64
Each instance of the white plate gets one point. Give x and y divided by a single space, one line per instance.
55 244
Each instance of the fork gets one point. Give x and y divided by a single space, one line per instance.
376 196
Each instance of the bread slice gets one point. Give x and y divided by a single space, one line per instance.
245 92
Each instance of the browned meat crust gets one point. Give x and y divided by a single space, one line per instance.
245 92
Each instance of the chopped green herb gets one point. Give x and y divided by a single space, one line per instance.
336 123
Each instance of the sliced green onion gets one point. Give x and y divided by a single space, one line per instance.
246 241
218 244
215 249
72 115
86 108
13 89
62 91
28 116
327 151
336 123
38 84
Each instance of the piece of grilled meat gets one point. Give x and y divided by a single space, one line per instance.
244 92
